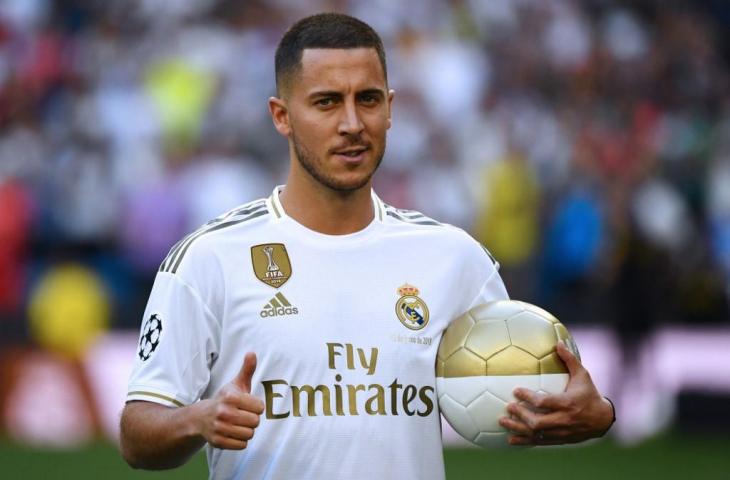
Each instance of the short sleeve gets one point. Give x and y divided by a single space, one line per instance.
493 288
179 340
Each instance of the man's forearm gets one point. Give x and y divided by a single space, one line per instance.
156 437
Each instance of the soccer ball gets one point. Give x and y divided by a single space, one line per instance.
488 352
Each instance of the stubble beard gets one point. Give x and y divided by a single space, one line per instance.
311 164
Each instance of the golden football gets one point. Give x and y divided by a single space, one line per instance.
489 351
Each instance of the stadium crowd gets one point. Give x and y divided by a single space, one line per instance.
585 143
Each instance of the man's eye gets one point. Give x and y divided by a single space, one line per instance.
369 99
324 102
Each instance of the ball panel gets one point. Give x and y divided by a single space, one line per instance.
539 312
491 439
503 386
561 332
463 363
532 333
567 338
487 338
456 415
455 336
512 361
552 364
498 310
462 390
554 383
485 412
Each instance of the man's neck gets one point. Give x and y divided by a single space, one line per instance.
327 211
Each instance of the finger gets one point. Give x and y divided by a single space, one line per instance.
235 432
539 400
227 443
252 404
536 420
241 418
515 426
243 379
522 414
570 360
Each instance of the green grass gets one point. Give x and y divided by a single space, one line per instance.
665 458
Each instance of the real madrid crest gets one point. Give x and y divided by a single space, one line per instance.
271 263
410 309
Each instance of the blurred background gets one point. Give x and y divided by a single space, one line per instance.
585 143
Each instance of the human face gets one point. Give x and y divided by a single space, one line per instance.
336 112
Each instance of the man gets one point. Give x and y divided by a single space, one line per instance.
339 300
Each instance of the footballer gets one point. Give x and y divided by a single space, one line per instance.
295 336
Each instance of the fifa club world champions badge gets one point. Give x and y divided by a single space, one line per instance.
271 264
410 308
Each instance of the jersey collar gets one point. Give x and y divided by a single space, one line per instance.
274 204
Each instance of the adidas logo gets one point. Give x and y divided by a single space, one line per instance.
278 306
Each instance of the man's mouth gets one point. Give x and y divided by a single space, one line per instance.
352 152
352 155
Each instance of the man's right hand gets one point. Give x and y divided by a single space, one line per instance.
156 437
228 420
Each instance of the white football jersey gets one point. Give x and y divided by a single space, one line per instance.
345 327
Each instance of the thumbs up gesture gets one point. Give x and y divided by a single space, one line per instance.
229 418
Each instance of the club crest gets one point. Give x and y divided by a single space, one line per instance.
410 308
271 264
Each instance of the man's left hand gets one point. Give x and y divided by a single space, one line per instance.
578 414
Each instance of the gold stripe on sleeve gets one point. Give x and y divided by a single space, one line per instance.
157 395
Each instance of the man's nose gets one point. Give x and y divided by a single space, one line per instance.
350 123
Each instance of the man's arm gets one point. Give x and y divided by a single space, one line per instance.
157 437
580 413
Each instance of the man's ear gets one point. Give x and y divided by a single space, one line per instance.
279 115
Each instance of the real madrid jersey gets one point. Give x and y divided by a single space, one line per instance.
345 327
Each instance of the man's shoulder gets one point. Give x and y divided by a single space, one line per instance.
203 241
440 235
413 218
416 221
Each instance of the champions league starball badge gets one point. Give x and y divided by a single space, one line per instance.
150 339
410 308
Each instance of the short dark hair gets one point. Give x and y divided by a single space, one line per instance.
324 30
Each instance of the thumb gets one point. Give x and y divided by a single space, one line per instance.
243 379
570 360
